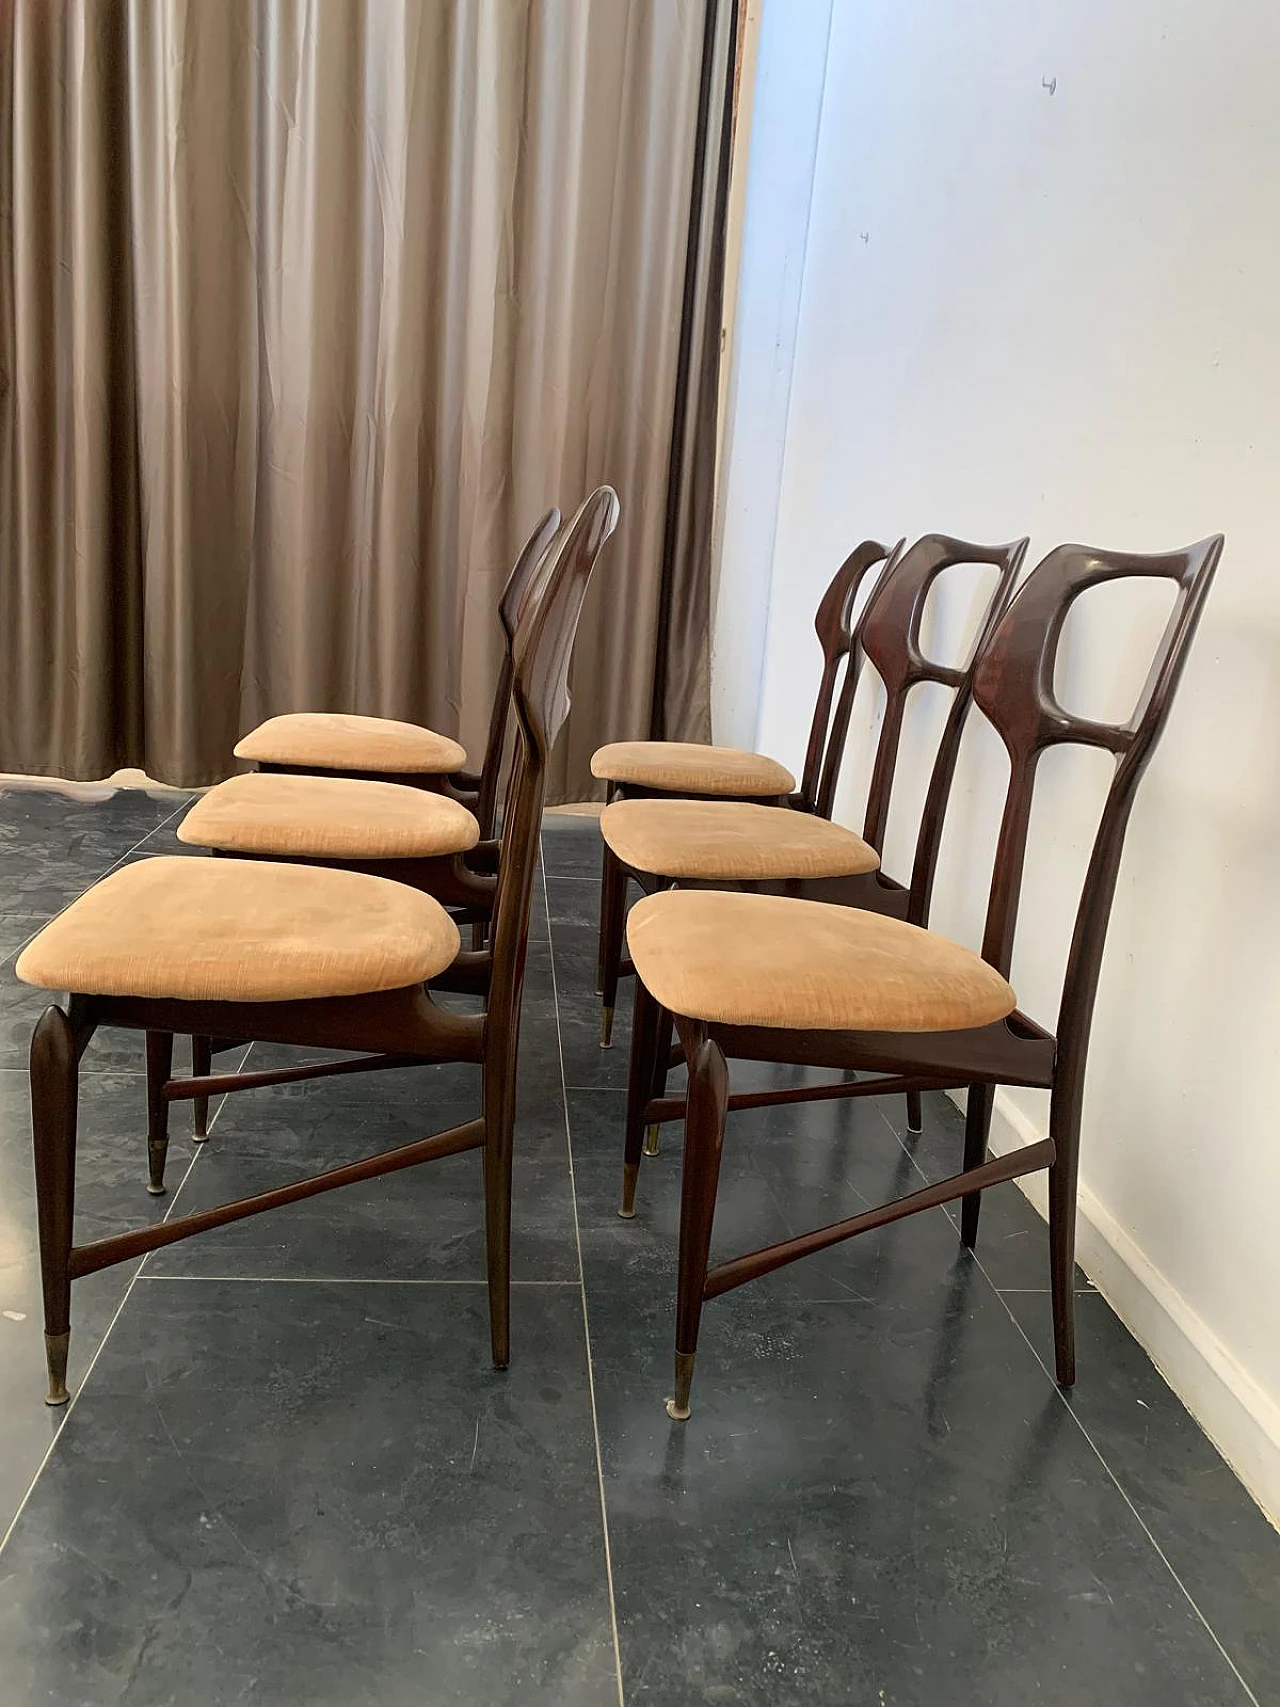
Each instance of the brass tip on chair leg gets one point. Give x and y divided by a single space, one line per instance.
156 1190
630 1179
651 1139
678 1406
606 1028
55 1356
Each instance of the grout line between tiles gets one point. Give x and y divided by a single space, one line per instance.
586 1320
1076 1419
119 1311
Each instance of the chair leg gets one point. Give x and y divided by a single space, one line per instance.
499 1123
915 1112
54 1088
613 925
201 1064
703 1145
661 1067
977 1129
159 1072
645 1024
1063 1176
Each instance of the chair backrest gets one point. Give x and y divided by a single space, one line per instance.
541 651
532 553
1013 687
888 636
837 635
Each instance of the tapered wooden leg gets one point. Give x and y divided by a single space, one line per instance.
915 1112
644 1034
977 1129
1063 1179
499 1120
201 1063
159 1072
703 1145
613 925
661 1067
54 1086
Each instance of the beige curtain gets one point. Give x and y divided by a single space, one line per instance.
307 311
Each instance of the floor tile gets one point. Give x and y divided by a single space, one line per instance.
111 1197
311 1495
880 1494
571 845
423 1223
1211 1532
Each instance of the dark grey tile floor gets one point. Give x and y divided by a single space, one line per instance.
290 1476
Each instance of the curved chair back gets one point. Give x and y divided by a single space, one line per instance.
837 635
1013 687
889 637
541 651
533 551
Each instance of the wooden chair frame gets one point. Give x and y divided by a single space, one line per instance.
463 881
390 1027
889 637
1013 687
837 630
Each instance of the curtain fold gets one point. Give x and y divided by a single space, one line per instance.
308 309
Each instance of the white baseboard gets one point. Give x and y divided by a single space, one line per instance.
1242 1421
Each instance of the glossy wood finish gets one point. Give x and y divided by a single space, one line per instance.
1013 687
458 881
398 1023
836 628
888 635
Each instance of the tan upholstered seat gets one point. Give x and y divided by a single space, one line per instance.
683 767
240 931
339 741
730 840
768 960
327 817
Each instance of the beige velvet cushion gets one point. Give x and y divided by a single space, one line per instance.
768 960
730 839
240 931
687 768
327 817
338 741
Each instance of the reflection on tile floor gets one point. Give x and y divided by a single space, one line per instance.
292 1477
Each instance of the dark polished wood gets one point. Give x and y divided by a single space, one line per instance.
464 882
404 1024
1013 688
888 636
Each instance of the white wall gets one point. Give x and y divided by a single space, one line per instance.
1042 294
790 46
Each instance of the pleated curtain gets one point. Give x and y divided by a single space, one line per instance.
308 309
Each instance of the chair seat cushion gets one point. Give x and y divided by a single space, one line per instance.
730 840
235 930
684 767
327 817
768 960
340 741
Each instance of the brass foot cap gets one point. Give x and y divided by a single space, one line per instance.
651 1139
606 1028
625 1214
199 1137
59 1398
678 1413
156 1190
